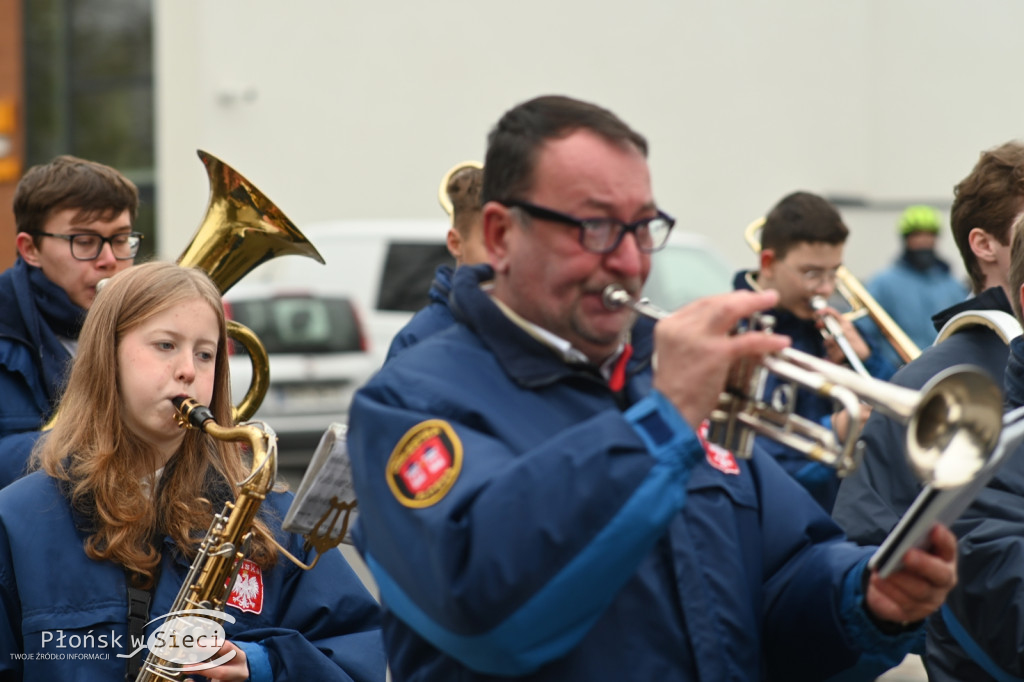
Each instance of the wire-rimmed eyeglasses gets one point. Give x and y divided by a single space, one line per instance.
124 246
813 277
603 235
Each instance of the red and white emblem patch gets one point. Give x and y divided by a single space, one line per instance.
247 594
717 456
425 464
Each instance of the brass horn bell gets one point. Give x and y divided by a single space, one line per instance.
242 229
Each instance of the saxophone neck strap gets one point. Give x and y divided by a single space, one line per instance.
139 602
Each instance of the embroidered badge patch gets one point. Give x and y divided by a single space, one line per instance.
425 463
247 594
717 456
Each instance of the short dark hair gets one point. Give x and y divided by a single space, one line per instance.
67 182
514 142
989 198
802 217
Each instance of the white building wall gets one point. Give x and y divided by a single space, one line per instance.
343 109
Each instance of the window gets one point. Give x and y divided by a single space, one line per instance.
89 90
408 272
301 324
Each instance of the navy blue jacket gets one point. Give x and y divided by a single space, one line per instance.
879 492
522 519
315 625
430 319
979 633
33 362
819 480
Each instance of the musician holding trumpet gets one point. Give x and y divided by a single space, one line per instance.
537 498
801 251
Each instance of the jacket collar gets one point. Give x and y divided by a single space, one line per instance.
529 361
993 298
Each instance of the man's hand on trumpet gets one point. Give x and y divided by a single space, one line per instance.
696 349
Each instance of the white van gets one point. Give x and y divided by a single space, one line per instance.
384 266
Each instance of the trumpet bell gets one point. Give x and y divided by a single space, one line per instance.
955 427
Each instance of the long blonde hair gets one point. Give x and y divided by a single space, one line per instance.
98 458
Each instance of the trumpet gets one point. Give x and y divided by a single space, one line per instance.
953 422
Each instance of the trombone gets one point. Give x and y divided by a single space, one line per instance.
861 303
953 422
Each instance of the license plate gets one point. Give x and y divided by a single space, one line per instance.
299 397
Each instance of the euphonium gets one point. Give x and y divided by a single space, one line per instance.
212 575
953 422
242 229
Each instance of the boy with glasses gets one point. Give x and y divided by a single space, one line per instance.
801 249
75 228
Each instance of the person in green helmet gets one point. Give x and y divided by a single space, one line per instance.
919 283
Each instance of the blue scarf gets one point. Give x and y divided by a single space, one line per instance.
36 312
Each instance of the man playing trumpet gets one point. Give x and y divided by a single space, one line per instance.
537 497
801 251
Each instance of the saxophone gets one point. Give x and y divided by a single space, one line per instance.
212 574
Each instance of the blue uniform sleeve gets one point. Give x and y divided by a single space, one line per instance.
463 571
814 585
329 628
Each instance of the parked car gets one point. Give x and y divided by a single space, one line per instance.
384 266
316 348
688 268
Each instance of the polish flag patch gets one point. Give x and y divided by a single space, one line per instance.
247 594
717 456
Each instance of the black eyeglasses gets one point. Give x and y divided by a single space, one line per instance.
603 235
89 246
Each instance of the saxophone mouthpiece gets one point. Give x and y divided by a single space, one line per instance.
191 413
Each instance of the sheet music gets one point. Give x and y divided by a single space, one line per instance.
325 505
944 506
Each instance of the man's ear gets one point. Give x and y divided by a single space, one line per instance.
983 245
27 248
497 226
768 260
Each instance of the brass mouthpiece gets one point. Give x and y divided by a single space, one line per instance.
191 413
